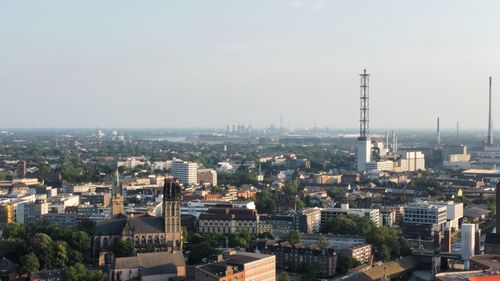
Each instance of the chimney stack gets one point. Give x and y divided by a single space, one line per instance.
489 141
438 141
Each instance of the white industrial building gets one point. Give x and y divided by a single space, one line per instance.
468 243
412 161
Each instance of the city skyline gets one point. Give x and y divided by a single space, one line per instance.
125 65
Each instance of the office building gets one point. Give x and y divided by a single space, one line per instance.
187 172
328 214
423 219
31 212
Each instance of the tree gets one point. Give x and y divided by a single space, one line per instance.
200 251
345 263
41 244
284 276
29 263
124 248
322 243
78 272
60 252
294 237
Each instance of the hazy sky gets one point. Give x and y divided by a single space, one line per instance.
211 63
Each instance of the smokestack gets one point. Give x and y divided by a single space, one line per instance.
458 129
489 141
438 133
393 141
498 207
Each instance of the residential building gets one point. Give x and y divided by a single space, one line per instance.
187 172
293 259
336 241
93 198
207 177
256 266
228 220
218 271
362 253
309 220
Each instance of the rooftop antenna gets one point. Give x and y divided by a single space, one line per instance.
489 141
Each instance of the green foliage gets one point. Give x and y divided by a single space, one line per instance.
240 239
294 237
283 276
29 263
78 272
124 248
202 250
345 263
54 247
385 239
266 202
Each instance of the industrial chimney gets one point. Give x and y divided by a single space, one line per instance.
438 141
489 141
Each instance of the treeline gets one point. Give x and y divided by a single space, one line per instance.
45 246
388 244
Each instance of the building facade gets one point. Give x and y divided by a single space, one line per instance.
187 172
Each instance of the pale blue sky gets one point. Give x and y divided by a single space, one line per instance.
212 63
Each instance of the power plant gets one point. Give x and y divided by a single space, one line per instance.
373 154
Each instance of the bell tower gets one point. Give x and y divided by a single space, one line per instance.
172 214
117 201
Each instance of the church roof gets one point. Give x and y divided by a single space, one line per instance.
158 262
147 224
110 227
138 225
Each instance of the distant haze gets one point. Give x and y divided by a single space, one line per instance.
211 63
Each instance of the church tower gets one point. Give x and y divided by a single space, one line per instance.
172 214
117 200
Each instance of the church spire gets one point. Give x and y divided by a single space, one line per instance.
117 201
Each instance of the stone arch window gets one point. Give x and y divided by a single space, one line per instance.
97 242
105 242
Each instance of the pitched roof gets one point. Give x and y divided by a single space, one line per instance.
147 224
110 226
152 262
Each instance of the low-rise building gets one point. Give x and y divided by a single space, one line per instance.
361 253
329 213
228 220
294 259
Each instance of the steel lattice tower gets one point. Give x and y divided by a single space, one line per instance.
364 117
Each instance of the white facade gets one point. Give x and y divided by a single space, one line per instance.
364 148
454 212
187 172
329 213
380 166
468 233
412 161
